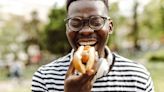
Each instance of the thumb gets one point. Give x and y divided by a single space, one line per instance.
87 77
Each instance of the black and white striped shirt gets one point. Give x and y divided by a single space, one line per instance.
125 76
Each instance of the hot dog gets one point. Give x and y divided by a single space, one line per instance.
85 54
83 59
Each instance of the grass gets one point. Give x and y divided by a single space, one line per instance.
13 85
155 56
27 72
156 69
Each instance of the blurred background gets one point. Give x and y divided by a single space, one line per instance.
32 33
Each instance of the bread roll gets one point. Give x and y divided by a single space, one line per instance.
83 59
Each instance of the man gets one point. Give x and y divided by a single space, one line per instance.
87 23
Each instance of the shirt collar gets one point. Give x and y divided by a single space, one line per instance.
109 55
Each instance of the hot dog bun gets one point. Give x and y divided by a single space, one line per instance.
91 60
83 59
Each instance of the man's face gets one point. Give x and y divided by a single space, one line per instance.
95 26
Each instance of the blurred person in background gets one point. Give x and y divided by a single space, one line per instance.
88 24
16 70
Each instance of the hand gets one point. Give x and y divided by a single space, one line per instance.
78 83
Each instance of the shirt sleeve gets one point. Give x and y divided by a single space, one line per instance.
149 85
38 84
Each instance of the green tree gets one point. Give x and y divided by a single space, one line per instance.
33 29
55 37
135 30
153 20
11 35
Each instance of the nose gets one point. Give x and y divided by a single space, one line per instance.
86 30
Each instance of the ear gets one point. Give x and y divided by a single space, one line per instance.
110 26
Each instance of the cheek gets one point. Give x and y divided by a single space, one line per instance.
70 34
105 31
103 34
71 37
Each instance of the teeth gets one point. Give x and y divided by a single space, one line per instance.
87 43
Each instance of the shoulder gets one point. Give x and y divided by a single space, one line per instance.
50 74
122 61
131 67
65 60
134 71
61 63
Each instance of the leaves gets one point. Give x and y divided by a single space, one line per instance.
55 39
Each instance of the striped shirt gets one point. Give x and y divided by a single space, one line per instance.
125 76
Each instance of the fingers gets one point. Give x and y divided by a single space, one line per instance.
90 74
87 70
87 77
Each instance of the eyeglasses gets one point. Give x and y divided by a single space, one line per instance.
95 22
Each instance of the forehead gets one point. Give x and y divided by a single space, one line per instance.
87 8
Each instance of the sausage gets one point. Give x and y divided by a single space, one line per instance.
85 54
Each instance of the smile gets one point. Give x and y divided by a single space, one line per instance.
87 42
92 43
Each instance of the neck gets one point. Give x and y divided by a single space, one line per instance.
102 53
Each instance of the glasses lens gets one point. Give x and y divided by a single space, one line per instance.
75 24
96 22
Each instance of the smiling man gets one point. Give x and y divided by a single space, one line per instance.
88 24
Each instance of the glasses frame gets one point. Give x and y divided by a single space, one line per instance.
87 20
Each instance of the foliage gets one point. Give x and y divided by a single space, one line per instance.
33 30
153 19
155 56
55 37
10 34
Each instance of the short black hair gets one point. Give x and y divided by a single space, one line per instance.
70 1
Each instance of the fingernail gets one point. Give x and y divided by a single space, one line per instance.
90 72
